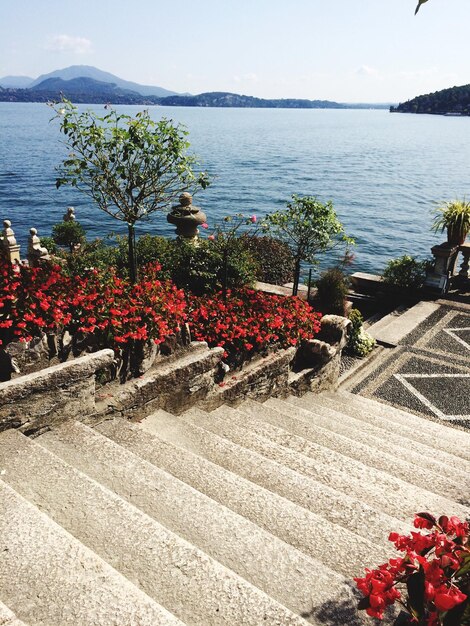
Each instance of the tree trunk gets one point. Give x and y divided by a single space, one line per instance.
225 275
295 288
132 259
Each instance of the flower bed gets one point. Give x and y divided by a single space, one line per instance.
101 310
250 322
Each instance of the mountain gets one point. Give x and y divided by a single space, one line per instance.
16 82
81 86
87 71
453 101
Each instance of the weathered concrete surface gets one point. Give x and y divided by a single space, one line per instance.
176 574
8 618
301 583
53 395
49 578
392 329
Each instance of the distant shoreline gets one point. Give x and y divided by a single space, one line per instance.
206 100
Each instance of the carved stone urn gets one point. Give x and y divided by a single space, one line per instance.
186 218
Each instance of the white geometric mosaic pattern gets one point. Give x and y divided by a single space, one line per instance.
405 379
452 332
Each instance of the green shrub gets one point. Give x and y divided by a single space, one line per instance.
332 289
360 343
273 259
200 269
68 234
405 272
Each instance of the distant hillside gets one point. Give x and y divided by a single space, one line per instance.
16 82
87 71
453 101
225 99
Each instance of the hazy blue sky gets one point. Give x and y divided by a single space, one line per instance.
347 50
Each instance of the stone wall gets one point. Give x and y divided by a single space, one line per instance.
53 395
187 378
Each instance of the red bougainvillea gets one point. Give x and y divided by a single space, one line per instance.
432 578
250 321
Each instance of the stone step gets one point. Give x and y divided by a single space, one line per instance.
183 579
423 442
282 476
393 328
299 421
379 489
326 503
328 414
301 583
453 440
48 578
8 618
311 534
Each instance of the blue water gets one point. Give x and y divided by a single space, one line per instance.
383 172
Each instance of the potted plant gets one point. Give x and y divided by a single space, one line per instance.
455 217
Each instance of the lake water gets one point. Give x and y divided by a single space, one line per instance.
383 172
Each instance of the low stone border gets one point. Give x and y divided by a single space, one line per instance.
174 385
52 395
259 380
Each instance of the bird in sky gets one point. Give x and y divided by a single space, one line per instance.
419 4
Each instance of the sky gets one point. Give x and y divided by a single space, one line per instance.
343 50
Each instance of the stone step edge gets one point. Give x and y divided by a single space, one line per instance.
241 526
442 460
431 439
444 429
231 580
358 430
112 583
8 618
396 330
407 471
401 489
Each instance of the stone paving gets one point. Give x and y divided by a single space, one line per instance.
428 373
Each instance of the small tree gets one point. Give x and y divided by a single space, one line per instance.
309 227
130 166
70 234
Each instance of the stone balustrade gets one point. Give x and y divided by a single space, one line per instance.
10 248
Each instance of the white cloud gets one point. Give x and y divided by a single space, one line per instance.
246 78
66 43
366 70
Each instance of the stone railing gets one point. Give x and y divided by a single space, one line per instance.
10 248
446 273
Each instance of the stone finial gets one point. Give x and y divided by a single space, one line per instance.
9 245
36 252
70 215
186 218
186 199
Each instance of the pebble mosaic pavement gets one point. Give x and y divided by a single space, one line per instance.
428 373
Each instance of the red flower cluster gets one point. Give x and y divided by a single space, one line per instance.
102 307
250 321
31 301
435 569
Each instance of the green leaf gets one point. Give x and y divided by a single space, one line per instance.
415 586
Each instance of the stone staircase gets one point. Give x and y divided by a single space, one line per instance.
261 514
